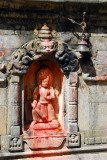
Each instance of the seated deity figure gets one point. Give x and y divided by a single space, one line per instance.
44 93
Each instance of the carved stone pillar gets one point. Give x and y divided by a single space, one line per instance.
15 141
73 138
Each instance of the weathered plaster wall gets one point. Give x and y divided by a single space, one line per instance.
17 22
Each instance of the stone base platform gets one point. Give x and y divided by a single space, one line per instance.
83 153
44 138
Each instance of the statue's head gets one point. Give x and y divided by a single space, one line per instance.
45 82
45 77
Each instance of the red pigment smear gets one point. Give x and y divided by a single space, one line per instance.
2 33
7 50
2 53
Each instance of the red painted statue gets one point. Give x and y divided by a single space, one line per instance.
43 111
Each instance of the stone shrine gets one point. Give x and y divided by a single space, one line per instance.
53 80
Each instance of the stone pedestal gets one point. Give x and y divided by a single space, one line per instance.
44 138
44 135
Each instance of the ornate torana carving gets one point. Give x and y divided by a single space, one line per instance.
44 43
66 58
21 59
45 46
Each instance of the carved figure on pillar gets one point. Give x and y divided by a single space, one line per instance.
42 108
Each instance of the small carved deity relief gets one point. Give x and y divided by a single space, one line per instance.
15 143
44 93
73 139
44 44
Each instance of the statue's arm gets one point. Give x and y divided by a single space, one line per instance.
35 95
51 94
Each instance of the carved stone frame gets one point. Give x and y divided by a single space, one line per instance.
17 68
15 140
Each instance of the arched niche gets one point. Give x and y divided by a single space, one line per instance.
30 83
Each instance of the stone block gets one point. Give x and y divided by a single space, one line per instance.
6 32
27 32
73 139
101 70
92 141
15 143
15 95
98 94
104 140
98 35
86 141
83 92
45 141
72 94
17 32
97 133
88 134
9 122
83 116
101 58
105 133
73 78
13 41
15 130
98 140
3 143
73 127
15 115
15 79
98 116
3 100
3 114
101 63
72 112
82 138
99 43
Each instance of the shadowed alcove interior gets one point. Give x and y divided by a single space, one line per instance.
30 83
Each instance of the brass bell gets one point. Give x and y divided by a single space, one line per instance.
82 46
